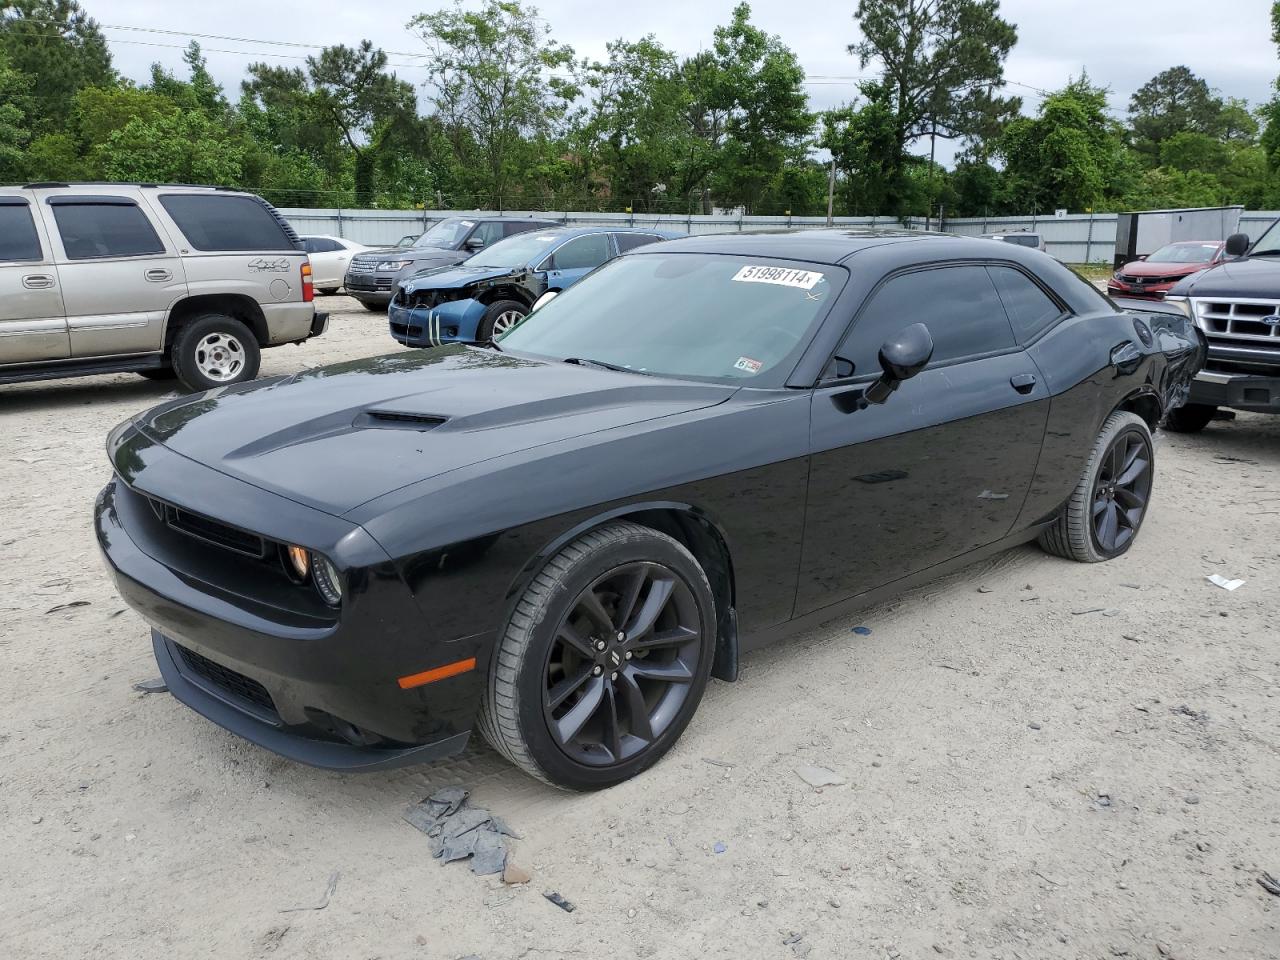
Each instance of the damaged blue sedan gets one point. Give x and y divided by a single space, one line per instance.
491 292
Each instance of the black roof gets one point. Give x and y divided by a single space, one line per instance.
821 246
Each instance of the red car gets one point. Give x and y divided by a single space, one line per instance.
1152 276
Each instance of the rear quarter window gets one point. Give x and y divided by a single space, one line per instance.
217 222
1030 309
18 239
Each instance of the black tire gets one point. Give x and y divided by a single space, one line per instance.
1075 534
1189 418
193 362
374 307
485 328
515 715
158 373
328 291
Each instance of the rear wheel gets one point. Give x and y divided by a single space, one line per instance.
500 317
214 350
604 660
1189 418
328 291
1102 518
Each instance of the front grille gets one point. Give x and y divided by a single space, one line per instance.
1147 281
1241 321
210 530
362 266
227 680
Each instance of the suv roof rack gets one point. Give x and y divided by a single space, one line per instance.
125 183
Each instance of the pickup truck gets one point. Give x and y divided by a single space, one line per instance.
1236 305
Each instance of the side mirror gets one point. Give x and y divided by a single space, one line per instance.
1142 256
1237 245
474 244
901 358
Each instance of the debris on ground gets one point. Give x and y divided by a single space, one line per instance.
513 875
67 606
154 685
820 776
719 847
324 902
1220 581
1269 884
559 901
717 763
458 831
862 631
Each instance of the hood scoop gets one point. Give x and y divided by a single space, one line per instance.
395 420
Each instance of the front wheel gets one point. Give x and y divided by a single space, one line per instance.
1189 418
500 317
603 661
1102 518
214 350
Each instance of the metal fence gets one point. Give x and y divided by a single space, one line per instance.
1076 238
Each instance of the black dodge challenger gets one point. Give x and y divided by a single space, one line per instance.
559 537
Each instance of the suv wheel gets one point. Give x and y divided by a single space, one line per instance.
1189 418
213 350
603 661
1102 518
500 317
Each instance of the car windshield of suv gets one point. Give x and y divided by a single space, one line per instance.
447 233
1268 245
518 251
706 316
1184 253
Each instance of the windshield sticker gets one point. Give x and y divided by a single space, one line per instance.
468 223
782 276
746 363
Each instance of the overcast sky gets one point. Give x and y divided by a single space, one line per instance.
1122 45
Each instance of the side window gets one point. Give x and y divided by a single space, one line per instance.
512 227
309 244
92 228
582 253
629 241
1030 309
322 245
487 233
18 238
958 304
219 222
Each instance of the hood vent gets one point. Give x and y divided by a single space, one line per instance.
392 420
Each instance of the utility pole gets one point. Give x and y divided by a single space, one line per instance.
831 193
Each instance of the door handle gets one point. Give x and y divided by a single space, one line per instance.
37 281
1023 382
159 276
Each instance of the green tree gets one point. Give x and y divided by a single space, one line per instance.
864 144
1173 101
15 102
941 63
58 46
177 147
494 84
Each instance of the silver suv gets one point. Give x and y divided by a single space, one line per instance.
163 281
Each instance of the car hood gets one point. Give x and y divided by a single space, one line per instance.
412 253
450 278
336 437
1253 277
1145 268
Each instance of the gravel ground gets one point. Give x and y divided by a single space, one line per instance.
1043 759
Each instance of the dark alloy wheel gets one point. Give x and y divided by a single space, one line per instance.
1101 518
1121 492
622 663
604 659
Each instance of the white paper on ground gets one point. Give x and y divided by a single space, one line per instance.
1220 581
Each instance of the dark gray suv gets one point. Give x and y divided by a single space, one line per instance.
373 275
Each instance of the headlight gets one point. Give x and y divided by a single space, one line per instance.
388 266
326 578
298 562
1183 304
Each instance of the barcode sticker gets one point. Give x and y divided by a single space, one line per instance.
782 276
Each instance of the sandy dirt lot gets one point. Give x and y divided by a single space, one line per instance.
1044 760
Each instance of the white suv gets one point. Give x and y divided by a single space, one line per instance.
164 281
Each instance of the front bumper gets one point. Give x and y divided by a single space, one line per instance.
1143 291
318 688
1239 391
457 321
371 288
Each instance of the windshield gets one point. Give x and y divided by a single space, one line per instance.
447 233
518 251
1268 244
1184 253
686 315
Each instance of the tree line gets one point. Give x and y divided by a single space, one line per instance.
510 118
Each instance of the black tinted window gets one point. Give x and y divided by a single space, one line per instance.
214 222
320 245
582 253
958 304
487 233
105 230
1024 240
1030 309
511 227
629 241
18 240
